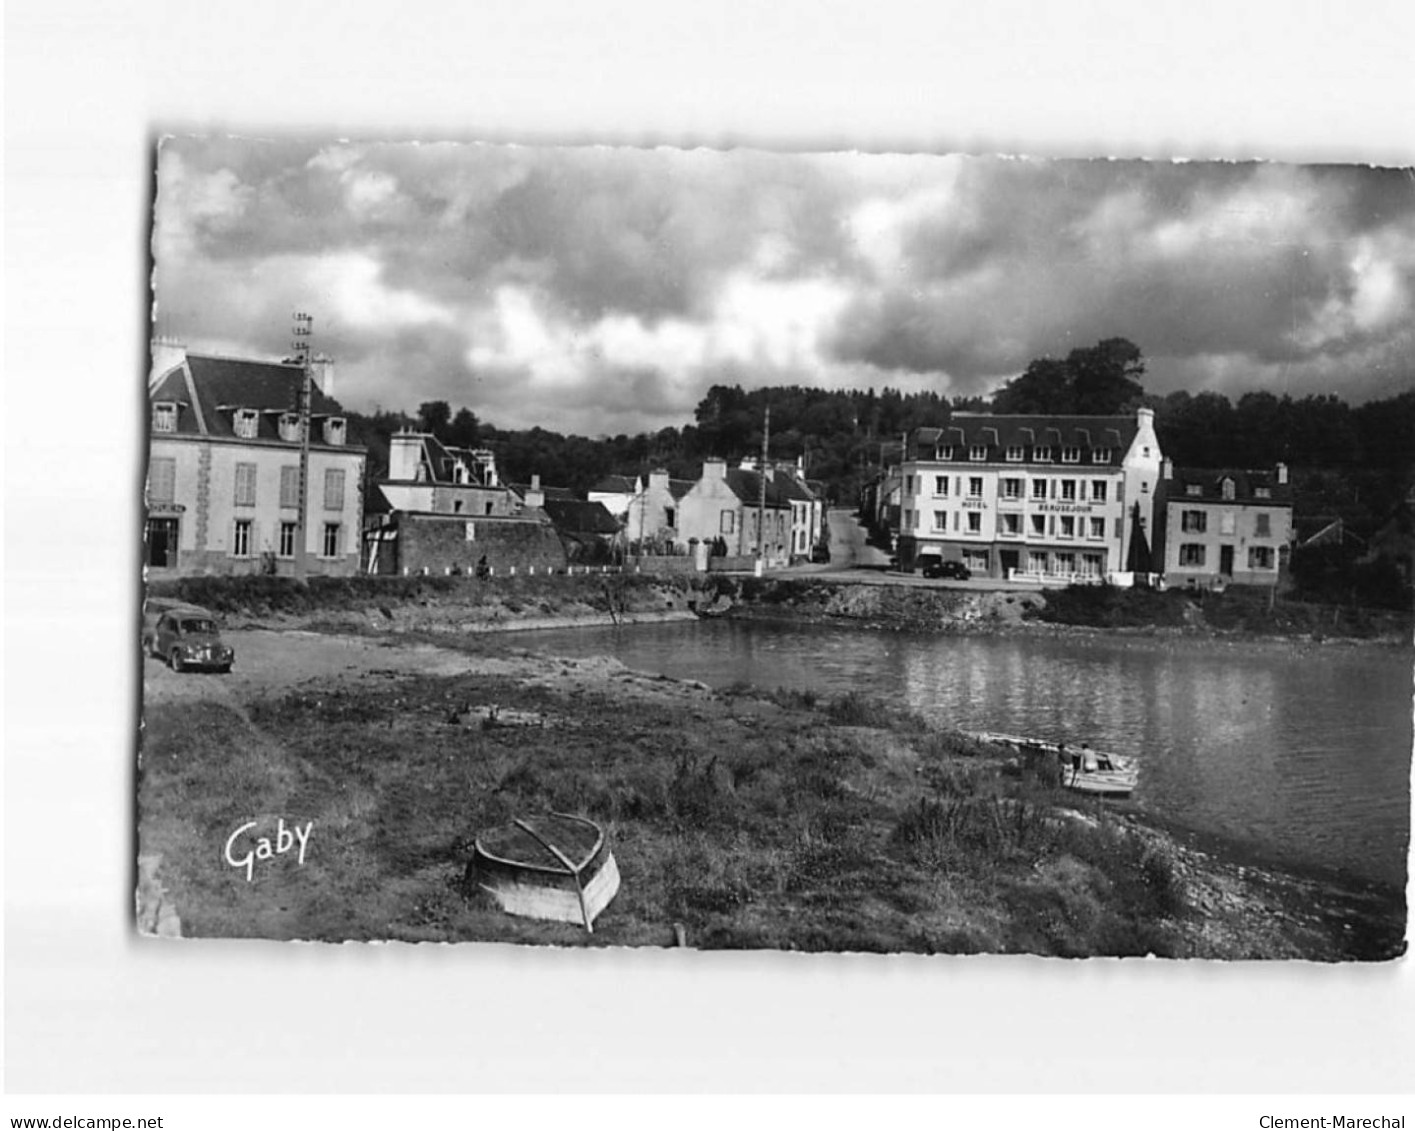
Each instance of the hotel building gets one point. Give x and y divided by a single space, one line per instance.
1056 499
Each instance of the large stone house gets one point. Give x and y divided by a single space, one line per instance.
653 514
1057 499
223 484
1224 527
617 493
444 509
807 523
727 504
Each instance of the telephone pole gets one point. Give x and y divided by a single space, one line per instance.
761 502
303 329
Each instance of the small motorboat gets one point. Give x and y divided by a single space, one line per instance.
553 866
1082 769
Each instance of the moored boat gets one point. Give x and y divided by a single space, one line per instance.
1082 769
553 866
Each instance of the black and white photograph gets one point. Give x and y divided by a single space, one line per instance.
769 550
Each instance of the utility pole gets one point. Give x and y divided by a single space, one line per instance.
303 329
761 502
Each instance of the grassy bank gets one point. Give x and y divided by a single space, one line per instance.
1236 610
783 821
427 603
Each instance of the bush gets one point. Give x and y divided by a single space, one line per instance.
854 709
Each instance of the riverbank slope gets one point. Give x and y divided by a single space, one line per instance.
785 821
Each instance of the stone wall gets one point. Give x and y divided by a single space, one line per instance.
439 543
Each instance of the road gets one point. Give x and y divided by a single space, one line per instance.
849 548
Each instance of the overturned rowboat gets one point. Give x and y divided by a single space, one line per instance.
553 866
1082 770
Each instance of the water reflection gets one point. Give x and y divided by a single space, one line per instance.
1304 750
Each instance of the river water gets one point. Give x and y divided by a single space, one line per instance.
1302 751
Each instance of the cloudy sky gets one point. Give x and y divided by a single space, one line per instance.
601 291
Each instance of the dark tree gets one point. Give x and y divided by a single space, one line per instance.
434 417
1100 380
465 429
1105 378
1046 387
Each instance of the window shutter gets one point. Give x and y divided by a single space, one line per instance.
162 480
334 489
290 486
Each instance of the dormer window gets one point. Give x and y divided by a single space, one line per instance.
1263 492
1100 455
1041 455
1194 489
1070 455
1015 454
246 423
978 453
334 430
1228 489
164 416
945 451
290 427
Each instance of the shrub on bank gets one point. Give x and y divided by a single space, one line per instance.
258 595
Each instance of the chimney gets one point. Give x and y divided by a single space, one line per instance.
322 369
714 469
658 479
535 497
1282 475
166 354
1145 416
405 451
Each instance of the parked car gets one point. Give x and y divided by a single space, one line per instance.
189 639
954 570
820 553
153 610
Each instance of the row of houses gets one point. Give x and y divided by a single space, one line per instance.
233 487
1064 499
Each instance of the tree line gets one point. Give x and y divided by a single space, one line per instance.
1353 462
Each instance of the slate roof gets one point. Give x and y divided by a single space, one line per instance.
1209 482
575 516
747 486
966 430
206 389
549 492
792 489
439 459
615 485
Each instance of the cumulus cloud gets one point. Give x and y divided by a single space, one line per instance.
604 289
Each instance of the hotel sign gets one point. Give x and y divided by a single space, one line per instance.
166 508
1065 508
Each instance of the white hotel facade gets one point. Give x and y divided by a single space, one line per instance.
1050 498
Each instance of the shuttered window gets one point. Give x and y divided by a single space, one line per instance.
245 484
162 480
334 489
290 486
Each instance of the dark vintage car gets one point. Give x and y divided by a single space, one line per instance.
956 571
188 639
820 553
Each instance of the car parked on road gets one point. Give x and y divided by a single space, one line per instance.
188 639
820 553
953 570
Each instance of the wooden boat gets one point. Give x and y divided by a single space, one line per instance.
553 866
1082 769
